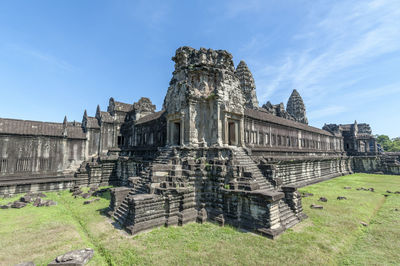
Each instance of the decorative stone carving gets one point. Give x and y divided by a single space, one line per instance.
144 105
277 110
143 108
203 88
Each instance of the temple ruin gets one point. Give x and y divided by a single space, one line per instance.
211 153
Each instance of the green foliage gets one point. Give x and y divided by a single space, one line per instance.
392 145
212 96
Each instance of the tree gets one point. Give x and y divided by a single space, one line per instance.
388 144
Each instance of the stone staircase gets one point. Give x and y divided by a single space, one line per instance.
287 216
123 209
251 170
143 184
159 170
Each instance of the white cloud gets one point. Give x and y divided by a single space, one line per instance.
44 57
326 112
351 35
372 94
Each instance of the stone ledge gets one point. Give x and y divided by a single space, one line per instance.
269 195
270 233
294 186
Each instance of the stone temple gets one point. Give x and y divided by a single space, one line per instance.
211 153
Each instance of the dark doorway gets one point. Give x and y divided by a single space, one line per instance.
121 141
232 133
177 133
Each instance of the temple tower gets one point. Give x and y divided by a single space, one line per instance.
204 102
247 85
296 108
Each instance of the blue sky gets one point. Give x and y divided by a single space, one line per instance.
60 57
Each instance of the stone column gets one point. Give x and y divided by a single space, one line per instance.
219 125
87 141
236 133
100 144
270 137
241 132
182 129
193 134
168 139
226 130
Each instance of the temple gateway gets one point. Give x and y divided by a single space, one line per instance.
211 153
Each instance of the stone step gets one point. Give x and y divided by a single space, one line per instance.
120 217
292 222
120 213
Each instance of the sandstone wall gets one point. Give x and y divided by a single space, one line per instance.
375 164
266 132
304 172
27 155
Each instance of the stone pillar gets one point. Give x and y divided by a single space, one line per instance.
168 140
225 127
270 137
182 130
87 141
241 132
219 124
65 154
236 134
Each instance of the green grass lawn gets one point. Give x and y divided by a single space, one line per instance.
332 236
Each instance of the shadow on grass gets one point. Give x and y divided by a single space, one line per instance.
103 193
106 212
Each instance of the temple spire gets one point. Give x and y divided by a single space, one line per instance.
247 85
98 112
65 126
296 108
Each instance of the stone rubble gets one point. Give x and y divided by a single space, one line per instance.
323 199
75 257
315 206
90 201
364 224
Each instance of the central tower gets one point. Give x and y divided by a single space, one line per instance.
204 102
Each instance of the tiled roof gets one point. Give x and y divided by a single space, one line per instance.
75 132
150 117
92 122
37 128
264 116
26 127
